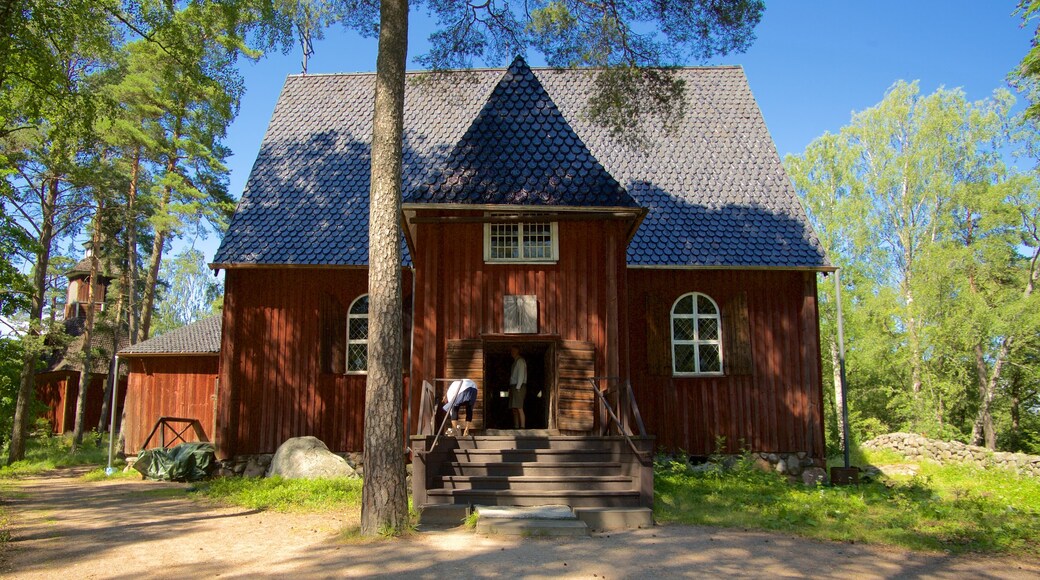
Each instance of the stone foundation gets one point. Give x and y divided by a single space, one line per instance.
797 466
917 447
784 463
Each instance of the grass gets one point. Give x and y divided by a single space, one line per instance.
53 452
100 475
943 508
284 495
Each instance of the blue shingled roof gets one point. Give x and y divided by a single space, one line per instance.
713 186
520 150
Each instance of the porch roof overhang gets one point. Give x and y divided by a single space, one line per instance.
413 214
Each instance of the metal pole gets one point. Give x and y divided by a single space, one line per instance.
112 412
841 366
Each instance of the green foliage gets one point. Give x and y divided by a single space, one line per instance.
919 202
956 509
10 371
285 495
618 42
99 474
189 294
46 452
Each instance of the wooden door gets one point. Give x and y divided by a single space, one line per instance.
575 403
465 360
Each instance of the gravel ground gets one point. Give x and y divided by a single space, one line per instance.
62 527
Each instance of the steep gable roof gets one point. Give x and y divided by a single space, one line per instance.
70 358
201 337
715 191
520 150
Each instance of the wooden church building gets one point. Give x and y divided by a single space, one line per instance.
684 267
58 383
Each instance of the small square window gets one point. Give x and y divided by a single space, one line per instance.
521 242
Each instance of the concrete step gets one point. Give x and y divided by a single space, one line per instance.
516 497
538 482
614 518
542 520
532 527
558 468
445 514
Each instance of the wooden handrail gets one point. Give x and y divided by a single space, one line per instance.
164 424
617 422
444 421
635 408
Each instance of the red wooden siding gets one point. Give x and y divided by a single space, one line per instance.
459 296
777 406
173 386
271 383
59 390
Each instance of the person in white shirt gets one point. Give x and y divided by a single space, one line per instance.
518 388
461 393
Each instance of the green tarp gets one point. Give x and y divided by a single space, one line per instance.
185 462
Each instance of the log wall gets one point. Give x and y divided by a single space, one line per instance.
459 297
774 402
58 392
169 386
271 380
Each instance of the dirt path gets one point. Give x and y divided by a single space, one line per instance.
64 528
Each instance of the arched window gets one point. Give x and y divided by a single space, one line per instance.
696 335
357 335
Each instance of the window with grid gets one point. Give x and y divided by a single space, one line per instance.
520 242
357 335
696 335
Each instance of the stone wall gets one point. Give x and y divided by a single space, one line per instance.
257 465
917 447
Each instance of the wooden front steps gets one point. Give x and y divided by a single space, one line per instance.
525 469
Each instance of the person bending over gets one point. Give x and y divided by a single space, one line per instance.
461 393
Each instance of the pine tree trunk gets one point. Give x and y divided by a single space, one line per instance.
384 502
151 281
158 247
16 451
105 421
130 286
86 376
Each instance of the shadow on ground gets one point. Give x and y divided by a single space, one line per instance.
64 527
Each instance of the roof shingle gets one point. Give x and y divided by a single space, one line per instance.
713 185
202 337
520 150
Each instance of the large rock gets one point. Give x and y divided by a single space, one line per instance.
308 458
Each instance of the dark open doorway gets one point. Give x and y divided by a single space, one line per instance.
498 364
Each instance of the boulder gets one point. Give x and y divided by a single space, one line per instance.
308 458
814 476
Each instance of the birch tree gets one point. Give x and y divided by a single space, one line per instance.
928 211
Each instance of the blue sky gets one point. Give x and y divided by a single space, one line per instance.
813 64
